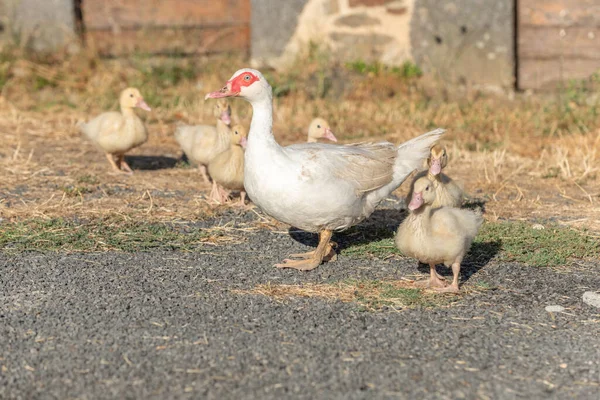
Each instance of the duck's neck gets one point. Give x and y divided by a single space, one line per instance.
311 140
261 127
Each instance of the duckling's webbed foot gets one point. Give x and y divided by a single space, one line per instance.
435 280
453 287
312 259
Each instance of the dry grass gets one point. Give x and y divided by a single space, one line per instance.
528 157
370 295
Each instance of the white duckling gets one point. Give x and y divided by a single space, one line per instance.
227 169
201 143
319 129
317 187
436 235
447 192
116 133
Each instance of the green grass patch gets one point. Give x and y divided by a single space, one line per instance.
508 241
100 235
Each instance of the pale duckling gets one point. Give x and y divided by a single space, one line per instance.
319 129
227 168
201 143
116 133
436 235
447 192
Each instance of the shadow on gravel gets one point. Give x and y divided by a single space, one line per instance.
150 163
382 224
479 256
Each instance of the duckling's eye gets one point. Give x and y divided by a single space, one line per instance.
131 95
318 126
427 189
247 78
236 132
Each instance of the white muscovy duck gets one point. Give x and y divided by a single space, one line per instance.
317 187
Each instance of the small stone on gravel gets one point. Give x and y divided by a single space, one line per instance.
555 308
592 298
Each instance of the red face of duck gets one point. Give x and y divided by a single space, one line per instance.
416 201
234 86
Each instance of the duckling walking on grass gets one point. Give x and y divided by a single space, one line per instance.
447 192
227 168
437 235
116 133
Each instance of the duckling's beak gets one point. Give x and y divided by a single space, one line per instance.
329 135
225 117
416 201
224 92
243 142
142 104
436 166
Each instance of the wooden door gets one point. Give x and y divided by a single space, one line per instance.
558 40
118 27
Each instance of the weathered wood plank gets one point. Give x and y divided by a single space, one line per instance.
170 41
122 14
547 74
553 42
559 12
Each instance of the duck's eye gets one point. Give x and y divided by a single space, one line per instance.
318 126
131 95
427 189
236 132
247 78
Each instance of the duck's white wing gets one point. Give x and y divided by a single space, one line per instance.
367 166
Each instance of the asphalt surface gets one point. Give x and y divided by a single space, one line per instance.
166 325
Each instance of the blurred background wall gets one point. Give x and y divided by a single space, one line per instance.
528 44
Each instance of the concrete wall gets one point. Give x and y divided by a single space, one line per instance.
42 25
469 41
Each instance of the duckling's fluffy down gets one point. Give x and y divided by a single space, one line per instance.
439 235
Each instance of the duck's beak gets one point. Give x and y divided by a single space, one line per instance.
436 166
142 104
243 142
329 135
224 92
416 201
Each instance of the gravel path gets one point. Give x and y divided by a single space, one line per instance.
162 325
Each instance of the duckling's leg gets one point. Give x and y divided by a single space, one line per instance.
313 259
203 171
112 162
215 193
453 288
435 280
242 202
124 166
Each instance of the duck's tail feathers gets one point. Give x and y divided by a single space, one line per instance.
412 153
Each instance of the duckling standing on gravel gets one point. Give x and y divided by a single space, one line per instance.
116 133
437 235
447 192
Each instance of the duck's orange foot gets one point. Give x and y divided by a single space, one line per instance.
301 265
